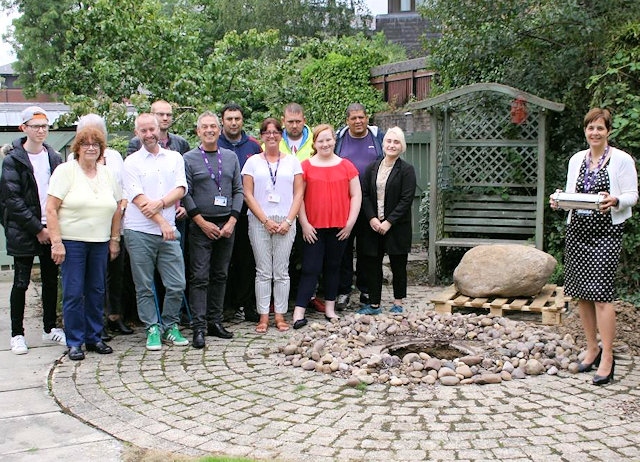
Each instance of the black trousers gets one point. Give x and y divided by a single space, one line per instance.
21 278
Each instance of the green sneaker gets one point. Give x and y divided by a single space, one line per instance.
153 338
172 336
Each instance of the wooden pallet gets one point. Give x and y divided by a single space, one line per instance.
550 303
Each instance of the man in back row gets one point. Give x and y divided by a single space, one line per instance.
361 143
240 295
163 113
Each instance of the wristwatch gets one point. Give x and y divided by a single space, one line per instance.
115 238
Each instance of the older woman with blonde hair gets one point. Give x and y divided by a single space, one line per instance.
83 218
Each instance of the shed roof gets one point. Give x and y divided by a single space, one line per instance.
493 87
10 112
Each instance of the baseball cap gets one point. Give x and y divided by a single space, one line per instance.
33 112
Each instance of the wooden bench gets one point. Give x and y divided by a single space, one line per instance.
471 220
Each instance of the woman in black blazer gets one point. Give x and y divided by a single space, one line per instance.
388 189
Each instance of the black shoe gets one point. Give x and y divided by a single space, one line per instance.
604 379
198 339
251 315
100 348
76 353
364 298
300 323
582 367
104 335
217 330
118 326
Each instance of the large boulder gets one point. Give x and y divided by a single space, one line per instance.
503 270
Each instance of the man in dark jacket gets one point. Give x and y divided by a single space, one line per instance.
23 190
240 294
361 143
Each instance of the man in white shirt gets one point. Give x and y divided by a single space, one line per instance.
154 179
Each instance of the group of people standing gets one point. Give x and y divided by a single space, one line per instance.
254 213
246 207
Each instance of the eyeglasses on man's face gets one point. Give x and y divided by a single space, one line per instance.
38 127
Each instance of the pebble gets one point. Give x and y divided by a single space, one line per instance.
357 349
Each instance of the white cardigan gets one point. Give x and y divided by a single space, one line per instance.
623 179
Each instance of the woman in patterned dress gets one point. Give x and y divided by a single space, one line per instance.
594 238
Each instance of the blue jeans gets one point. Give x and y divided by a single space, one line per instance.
146 253
83 278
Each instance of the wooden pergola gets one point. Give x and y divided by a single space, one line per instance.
488 145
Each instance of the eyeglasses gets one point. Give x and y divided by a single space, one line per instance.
38 127
90 145
163 114
268 134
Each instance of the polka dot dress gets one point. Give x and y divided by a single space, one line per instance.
592 250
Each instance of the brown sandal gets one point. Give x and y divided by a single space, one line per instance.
281 324
263 324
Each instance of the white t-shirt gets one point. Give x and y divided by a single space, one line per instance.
88 204
42 173
264 190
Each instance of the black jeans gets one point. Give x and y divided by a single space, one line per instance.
346 267
323 256
115 284
209 262
21 278
241 289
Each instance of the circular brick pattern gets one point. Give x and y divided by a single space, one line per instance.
232 398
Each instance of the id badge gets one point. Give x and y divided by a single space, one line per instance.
273 197
220 201
584 213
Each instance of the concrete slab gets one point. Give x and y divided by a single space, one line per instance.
39 434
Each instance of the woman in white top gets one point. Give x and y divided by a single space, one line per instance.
594 238
273 190
83 218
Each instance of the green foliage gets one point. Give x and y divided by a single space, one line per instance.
618 86
100 54
294 19
581 54
337 73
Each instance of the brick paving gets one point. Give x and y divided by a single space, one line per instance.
233 398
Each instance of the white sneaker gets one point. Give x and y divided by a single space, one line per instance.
342 301
55 336
19 345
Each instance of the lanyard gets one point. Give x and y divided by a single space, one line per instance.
217 181
271 173
589 175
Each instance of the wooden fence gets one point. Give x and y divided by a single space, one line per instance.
403 81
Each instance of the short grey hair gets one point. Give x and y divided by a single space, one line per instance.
208 114
92 120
